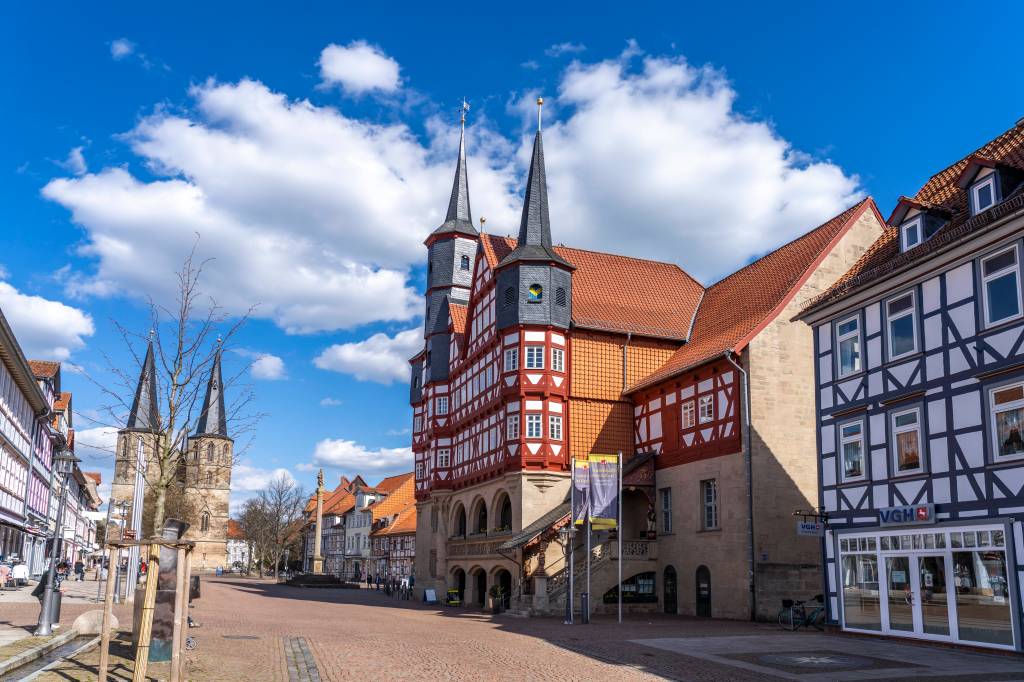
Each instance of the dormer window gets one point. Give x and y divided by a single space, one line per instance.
983 194
910 233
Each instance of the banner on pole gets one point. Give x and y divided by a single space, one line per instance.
604 491
580 491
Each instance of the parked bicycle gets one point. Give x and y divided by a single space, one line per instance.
794 614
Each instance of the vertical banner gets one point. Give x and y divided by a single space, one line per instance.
580 491
604 491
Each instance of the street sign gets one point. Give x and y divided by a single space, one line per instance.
129 534
812 528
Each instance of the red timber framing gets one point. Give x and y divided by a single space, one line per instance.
494 400
690 417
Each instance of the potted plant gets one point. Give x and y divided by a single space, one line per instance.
497 598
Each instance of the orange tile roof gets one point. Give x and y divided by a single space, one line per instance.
235 530
44 368
96 476
621 294
405 523
942 192
62 401
392 483
401 496
457 312
340 503
736 308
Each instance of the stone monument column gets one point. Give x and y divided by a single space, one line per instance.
318 560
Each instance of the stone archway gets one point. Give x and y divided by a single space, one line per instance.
479 584
458 582
503 579
502 512
459 521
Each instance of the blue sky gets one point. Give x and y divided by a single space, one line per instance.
312 148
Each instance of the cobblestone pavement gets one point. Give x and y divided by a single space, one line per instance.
257 630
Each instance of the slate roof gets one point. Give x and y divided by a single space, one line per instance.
943 191
735 308
144 414
213 420
620 294
459 218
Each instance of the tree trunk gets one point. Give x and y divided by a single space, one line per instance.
160 502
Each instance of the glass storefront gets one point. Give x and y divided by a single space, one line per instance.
950 584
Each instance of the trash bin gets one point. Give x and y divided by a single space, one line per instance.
585 608
55 606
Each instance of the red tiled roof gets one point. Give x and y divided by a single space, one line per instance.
405 523
96 476
235 530
736 308
457 311
620 294
393 483
943 192
62 402
400 496
44 369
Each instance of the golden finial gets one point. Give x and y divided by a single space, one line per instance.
540 106
483 221
465 108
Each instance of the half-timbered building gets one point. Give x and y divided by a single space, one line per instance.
919 357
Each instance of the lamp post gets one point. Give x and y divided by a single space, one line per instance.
122 513
63 463
565 538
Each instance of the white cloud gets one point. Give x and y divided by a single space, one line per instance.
558 49
75 163
359 68
45 329
96 443
380 358
121 48
264 365
330 402
246 478
350 456
530 65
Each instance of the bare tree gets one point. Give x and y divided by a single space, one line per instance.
283 501
256 526
187 338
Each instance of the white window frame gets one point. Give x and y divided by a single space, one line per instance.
889 319
706 505
419 470
917 222
665 497
535 357
441 404
896 430
689 414
555 426
841 455
706 401
511 427
511 359
444 458
557 360
839 343
985 279
534 419
993 410
987 181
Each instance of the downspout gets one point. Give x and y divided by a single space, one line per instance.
745 392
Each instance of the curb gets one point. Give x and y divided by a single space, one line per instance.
85 647
32 654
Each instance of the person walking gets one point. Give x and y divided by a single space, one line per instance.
79 571
20 574
5 575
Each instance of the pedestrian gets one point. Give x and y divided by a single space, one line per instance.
39 591
20 574
79 571
5 575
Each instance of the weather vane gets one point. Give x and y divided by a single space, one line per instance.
465 108
540 106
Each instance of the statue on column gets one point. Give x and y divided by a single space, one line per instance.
318 560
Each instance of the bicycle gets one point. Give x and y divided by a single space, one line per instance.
793 614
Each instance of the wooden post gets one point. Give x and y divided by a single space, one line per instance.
108 607
146 627
185 601
180 613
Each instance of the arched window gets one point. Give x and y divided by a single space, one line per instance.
209 452
560 296
204 522
505 513
481 519
464 264
225 454
209 478
460 522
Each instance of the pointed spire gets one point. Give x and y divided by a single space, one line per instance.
213 419
534 243
145 415
459 217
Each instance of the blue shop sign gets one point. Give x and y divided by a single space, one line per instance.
907 515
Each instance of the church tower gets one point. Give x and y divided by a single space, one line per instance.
208 475
534 283
451 255
142 431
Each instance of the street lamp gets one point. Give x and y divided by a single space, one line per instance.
63 465
565 538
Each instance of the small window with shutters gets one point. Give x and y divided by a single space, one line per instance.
510 296
560 296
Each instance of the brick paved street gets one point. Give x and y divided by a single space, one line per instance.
257 630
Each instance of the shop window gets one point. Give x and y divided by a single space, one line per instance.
848 340
1007 406
640 589
982 597
1000 278
851 449
861 603
906 446
902 326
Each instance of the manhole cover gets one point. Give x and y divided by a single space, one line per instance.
816 660
239 636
